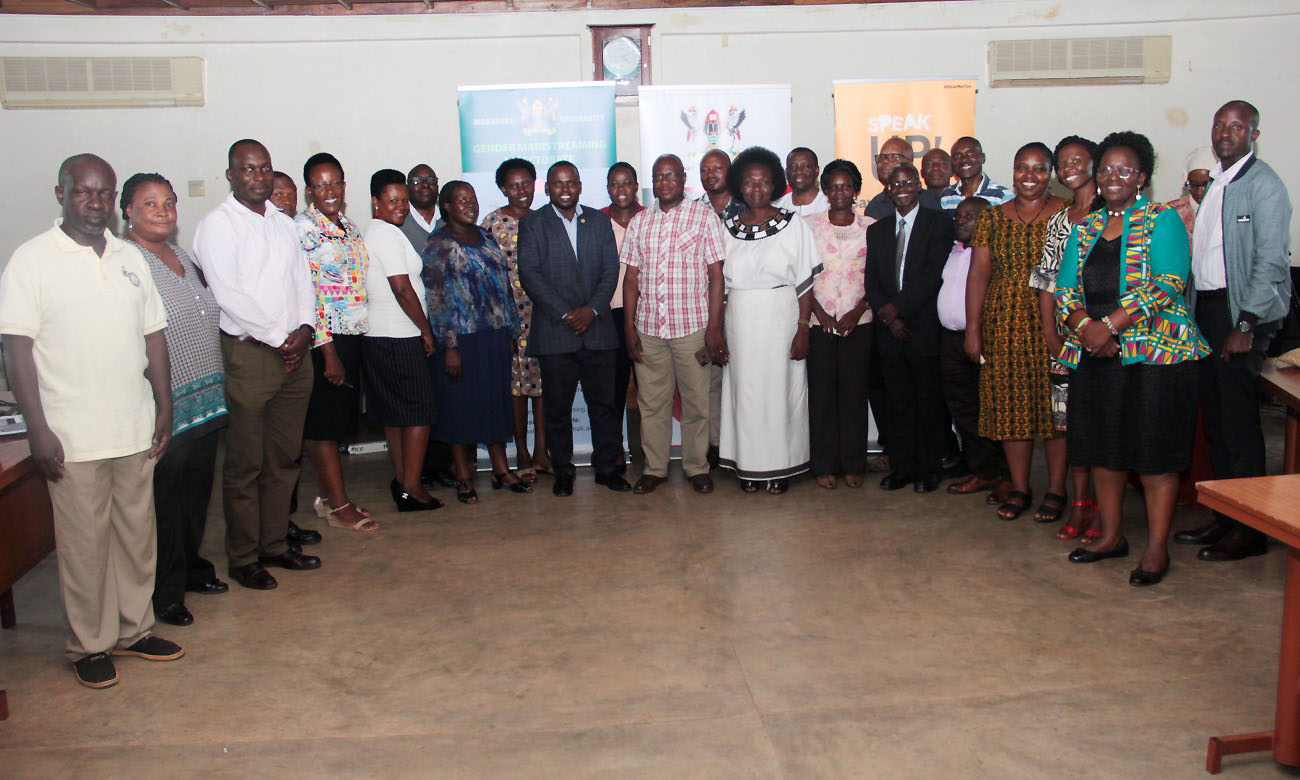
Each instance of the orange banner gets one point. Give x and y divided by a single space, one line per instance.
926 114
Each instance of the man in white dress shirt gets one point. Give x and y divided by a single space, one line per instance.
248 250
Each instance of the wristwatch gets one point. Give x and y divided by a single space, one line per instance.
1244 326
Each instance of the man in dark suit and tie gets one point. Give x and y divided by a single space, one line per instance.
906 252
568 265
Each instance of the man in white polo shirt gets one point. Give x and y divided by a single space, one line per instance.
83 326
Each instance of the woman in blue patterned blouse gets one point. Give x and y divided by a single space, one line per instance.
475 322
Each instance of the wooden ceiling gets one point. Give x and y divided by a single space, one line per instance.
348 7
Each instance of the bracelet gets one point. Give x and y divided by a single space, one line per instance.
1109 325
1083 323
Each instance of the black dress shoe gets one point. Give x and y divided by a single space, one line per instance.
614 481
254 576
1140 578
291 560
1209 533
210 588
563 484
301 536
894 481
1084 555
1238 544
927 484
174 615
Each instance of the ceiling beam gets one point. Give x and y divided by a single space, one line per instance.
176 4
85 4
265 5
345 4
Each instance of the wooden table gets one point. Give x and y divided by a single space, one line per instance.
26 526
1270 505
1282 381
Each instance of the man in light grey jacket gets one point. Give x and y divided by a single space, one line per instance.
1240 289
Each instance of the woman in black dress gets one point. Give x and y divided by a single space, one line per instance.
1132 405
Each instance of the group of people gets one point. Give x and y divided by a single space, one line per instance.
972 319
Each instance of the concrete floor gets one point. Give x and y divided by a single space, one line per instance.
846 633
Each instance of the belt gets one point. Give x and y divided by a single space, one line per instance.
1219 293
246 339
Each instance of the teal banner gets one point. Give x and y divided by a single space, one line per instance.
542 123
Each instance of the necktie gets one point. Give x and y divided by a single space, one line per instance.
900 249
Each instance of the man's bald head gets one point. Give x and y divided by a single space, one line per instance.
67 169
892 152
237 146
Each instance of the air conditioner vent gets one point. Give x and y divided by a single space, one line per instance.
1080 61
101 82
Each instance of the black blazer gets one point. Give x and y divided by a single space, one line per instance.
557 282
928 248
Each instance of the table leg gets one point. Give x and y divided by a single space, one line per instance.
1291 447
8 618
1284 739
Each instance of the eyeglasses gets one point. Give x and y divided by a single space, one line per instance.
326 185
892 157
415 181
902 185
1122 171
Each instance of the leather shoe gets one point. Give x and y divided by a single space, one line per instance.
209 588
1237 544
926 484
1140 578
301 536
289 559
972 484
702 483
1084 555
647 484
563 484
1209 533
893 481
254 576
174 615
614 481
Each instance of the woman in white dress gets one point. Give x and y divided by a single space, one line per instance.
769 270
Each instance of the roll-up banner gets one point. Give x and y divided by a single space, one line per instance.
689 121
925 113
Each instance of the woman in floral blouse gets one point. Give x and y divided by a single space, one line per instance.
337 259
475 324
838 346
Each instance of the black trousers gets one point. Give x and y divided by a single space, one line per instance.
915 388
622 370
182 486
1230 393
878 393
961 394
837 400
561 374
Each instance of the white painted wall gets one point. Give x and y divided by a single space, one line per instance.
381 91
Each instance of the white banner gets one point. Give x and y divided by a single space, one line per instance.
688 121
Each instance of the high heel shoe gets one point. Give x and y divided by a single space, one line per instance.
409 503
465 492
1085 555
1085 512
326 512
518 486
395 487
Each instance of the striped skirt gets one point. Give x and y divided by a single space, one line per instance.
399 389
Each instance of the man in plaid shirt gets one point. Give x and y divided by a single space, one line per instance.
672 302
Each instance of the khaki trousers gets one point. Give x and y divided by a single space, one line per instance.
263 442
107 546
715 404
667 365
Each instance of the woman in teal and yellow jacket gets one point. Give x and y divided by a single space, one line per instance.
1134 346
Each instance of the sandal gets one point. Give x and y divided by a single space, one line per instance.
465 492
749 486
1016 502
518 486
1085 510
327 513
1050 510
528 475
854 480
776 487
827 481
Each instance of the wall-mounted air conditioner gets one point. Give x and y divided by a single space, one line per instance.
101 82
1080 61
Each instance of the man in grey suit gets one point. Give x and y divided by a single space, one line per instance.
568 265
